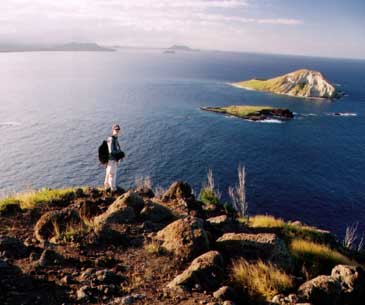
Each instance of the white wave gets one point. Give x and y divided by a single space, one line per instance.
11 123
309 114
230 117
342 114
271 121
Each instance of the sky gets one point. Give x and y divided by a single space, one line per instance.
329 28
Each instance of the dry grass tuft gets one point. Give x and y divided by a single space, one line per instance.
317 258
266 221
260 280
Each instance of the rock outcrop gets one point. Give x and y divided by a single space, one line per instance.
352 281
163 253
178 190
206 272
266 246
54 223
123 210
11 247
186 238
322 290
155 212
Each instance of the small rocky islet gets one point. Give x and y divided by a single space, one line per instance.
302 83
137 247
253 113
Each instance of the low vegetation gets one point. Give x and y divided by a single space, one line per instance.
30 199
261 85
289 229
260 280
238 193
240 110
316 258
209 194
352 239
73 233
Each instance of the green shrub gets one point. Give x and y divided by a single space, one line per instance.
208 196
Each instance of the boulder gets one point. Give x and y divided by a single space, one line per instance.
108 277
352 279
207 271
88 209
49 258
185 237
11 247
10 209
225 293
178 190
221 224
145 191
322 290
130 199
123 210
156 212
109 233
87 275
56 222
266 246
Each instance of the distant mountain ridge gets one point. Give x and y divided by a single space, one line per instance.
72 46
300 83
182 48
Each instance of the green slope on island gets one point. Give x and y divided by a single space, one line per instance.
254 113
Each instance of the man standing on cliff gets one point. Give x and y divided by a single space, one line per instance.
115 154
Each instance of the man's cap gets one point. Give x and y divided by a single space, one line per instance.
116 127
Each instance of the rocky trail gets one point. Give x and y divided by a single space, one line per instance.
132 247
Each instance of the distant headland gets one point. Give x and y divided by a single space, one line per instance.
72 46
301 83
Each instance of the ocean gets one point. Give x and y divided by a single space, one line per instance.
57 107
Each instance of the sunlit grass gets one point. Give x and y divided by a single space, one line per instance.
265 221
30 199
242 110
260 280
289 229
317 258
276 84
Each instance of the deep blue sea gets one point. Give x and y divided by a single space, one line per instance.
57 107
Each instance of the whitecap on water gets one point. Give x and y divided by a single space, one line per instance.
309 114
342 114
272 121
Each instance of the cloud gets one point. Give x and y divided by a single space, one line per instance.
114 20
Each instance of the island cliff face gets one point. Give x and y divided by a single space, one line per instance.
301 83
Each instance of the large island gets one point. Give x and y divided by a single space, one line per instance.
301 83
253 113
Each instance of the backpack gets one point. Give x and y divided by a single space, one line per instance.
104 153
